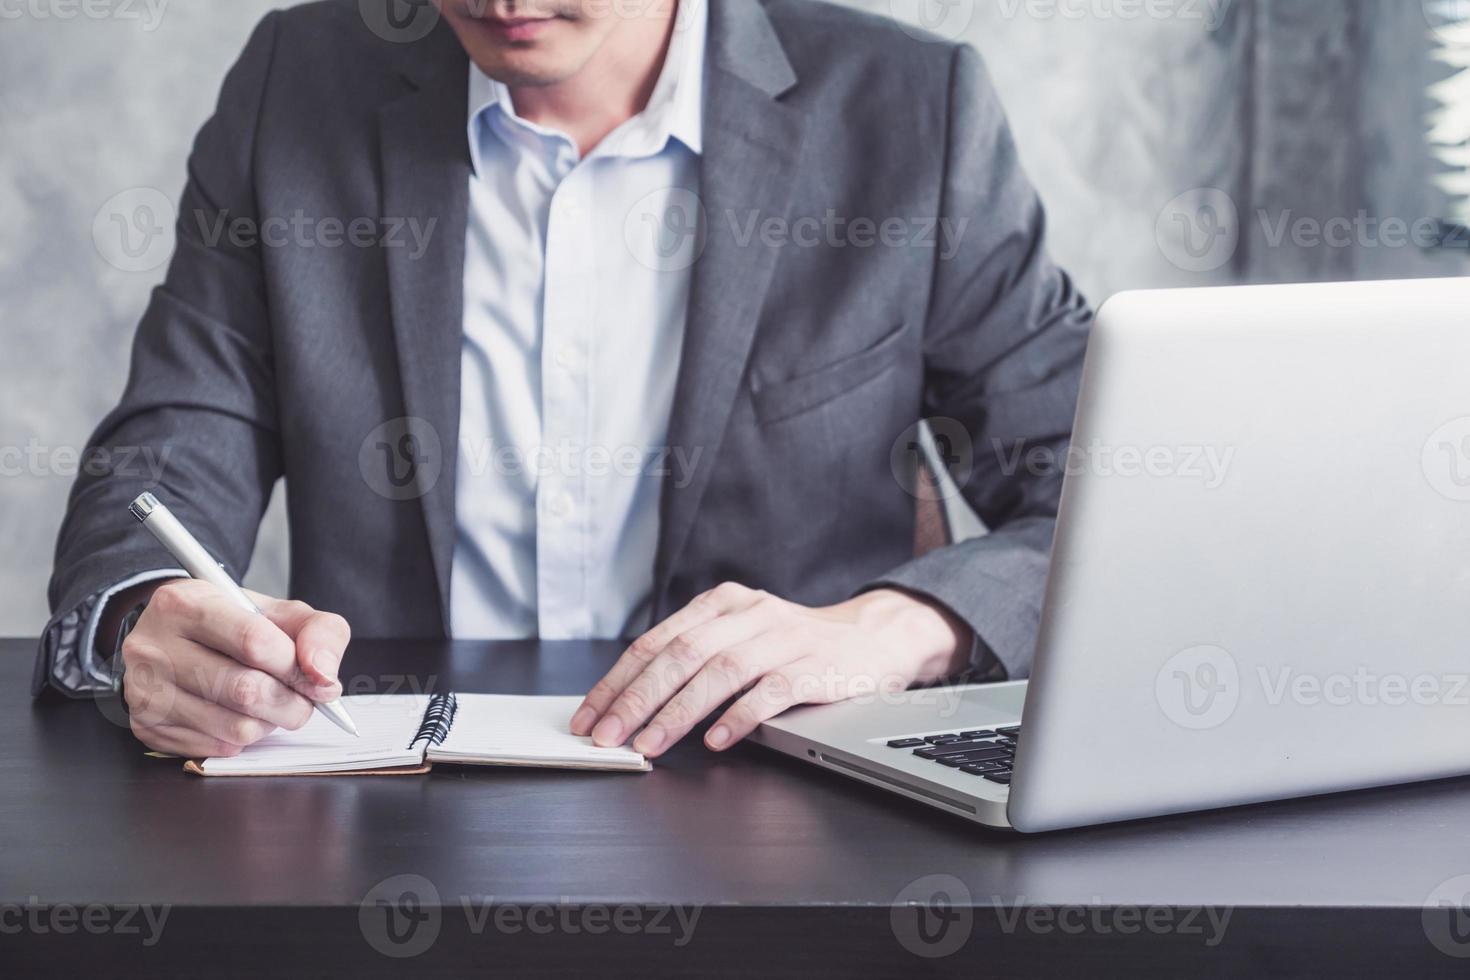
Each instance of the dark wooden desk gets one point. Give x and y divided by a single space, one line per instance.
790 870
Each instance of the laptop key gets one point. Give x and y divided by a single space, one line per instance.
1013 730
997 777
961 758
941 739
905 743
980 768
950 748
981 733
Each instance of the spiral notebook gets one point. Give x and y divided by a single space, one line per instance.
407 733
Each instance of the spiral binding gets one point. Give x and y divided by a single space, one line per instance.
438 719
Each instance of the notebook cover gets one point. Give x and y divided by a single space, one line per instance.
193 767
526 764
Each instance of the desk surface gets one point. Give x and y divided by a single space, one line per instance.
788 868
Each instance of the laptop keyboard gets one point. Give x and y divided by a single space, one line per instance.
985 752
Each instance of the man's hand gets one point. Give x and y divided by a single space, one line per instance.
203 677
733 639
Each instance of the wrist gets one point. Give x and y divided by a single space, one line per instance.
117 608
934 641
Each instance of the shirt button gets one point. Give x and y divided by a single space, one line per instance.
567 357
562 505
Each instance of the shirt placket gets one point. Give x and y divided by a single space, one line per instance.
563 515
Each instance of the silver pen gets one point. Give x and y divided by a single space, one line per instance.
199 564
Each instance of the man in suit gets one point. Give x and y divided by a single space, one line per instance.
575 318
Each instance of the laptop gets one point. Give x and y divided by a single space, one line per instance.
1260 585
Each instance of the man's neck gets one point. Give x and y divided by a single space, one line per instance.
613 87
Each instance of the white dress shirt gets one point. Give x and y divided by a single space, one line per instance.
573 327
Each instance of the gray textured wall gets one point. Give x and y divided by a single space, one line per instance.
89 108
1128 124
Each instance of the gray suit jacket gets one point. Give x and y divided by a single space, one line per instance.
803 364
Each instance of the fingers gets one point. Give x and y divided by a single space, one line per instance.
173 740
185 724
193 713
702 609
674 667
155 682
725 674
198 611
319 649
773 694
321 640
217 678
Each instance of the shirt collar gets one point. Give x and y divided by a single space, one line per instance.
675 109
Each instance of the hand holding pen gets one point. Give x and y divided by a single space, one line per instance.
210 668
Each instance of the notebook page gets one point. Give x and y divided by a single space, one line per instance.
386 723
490 728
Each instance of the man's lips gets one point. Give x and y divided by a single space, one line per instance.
515 28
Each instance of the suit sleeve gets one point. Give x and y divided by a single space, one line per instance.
197 423
1004 343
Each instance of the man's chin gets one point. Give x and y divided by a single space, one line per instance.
525 72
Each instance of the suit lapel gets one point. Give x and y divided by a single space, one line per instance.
751 144
426 169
